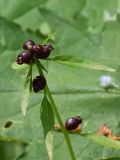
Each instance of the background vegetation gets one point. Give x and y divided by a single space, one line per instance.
84 28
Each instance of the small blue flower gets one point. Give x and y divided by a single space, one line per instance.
107 82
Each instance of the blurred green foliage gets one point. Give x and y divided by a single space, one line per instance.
84 28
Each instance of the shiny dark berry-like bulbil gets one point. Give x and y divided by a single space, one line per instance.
24 57
46 50
42 52
36 50
38 83
73 122
28 45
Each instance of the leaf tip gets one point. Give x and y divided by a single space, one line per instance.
23 112
112 70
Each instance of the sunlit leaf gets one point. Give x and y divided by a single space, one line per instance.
73 61
26 91
16 66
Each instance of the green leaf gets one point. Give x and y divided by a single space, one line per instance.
12 35
35 150
73 61
49 144
47 117
51 36
18 8
69 12
16 66
95 12
42 66
117 158
26 91
104 141
73 41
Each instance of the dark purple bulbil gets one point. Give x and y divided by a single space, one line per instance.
38 83
73 122
36 50
28 45
24 57
46 50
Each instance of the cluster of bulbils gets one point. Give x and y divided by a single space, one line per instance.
31 51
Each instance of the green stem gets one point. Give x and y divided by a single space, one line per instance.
61 123
67 138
